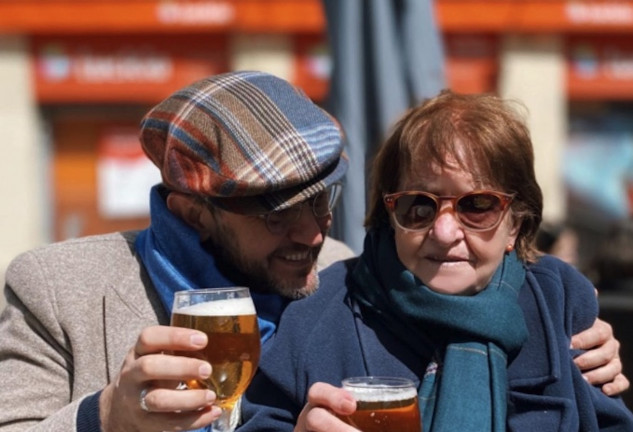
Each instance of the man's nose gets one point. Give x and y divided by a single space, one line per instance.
309 229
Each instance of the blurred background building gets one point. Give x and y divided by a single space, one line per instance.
77 75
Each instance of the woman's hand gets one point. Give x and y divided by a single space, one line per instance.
601 364
324 402
144 396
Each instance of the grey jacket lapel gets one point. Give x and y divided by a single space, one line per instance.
128 309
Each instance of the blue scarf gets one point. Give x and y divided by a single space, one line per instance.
473 336
176 261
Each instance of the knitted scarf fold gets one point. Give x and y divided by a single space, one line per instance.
474 336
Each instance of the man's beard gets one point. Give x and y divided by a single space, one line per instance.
255 274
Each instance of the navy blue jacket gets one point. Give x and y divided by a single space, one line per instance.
326 338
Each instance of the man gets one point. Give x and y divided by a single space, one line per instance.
250 171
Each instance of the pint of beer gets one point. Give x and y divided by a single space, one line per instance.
384 404
227 316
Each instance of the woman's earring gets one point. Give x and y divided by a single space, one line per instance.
509 248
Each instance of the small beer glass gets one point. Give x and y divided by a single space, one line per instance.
227 316
384 404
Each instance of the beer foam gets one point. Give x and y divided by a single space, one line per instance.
224 307
381 393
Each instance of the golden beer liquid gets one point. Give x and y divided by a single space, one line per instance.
233 351
386 416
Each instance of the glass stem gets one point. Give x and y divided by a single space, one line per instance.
228 420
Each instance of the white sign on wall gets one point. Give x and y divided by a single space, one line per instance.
124 174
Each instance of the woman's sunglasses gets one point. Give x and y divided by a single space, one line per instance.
480 210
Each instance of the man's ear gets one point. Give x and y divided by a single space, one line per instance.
187 208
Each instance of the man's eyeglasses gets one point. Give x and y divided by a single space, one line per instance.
321 205
475 211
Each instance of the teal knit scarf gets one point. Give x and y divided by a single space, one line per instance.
473 335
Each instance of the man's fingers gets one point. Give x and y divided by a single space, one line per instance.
619 385
156 339
182 420
171 368
596 335
604 374
600 364
165 400
600 356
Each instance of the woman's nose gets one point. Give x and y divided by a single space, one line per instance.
446 229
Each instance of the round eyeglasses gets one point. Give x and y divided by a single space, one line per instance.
478 211
322 204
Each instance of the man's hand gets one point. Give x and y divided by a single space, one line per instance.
601 364
148 369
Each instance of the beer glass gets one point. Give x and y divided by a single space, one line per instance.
384 404
227 316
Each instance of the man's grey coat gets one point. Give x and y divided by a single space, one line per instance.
74 310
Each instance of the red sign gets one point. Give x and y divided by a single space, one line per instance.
529 16
600 68
123 68
471 62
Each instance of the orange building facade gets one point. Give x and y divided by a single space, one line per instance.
95 66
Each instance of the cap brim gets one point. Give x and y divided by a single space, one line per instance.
285 198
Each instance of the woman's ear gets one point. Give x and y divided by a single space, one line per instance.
187 208
514 230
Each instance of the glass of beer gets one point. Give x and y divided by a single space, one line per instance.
384 404
227 316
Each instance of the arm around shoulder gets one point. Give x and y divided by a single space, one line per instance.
558 301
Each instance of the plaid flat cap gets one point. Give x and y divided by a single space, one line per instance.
248 141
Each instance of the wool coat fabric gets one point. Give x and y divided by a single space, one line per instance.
74 310
326 338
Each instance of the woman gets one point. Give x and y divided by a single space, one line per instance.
449 291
